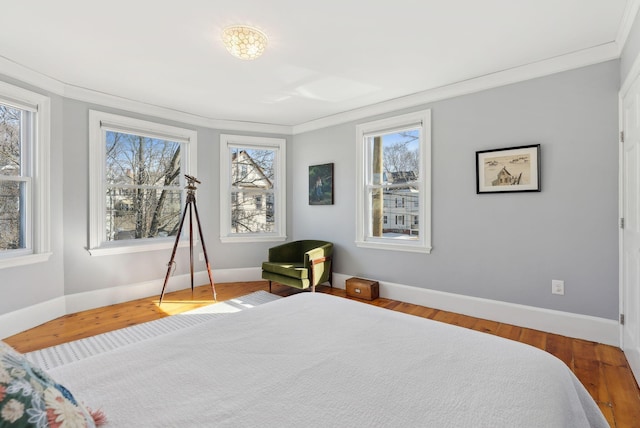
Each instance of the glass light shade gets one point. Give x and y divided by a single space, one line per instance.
244 42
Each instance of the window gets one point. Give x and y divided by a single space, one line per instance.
137 182
394 178
252 170
24 177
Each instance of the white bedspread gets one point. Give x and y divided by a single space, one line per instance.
314 360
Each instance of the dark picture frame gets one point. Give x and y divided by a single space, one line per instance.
511 169
321 184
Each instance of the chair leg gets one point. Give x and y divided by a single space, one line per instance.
269 286
331 275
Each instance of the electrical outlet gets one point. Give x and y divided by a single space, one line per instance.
557 287
201 257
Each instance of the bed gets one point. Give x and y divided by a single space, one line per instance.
317 360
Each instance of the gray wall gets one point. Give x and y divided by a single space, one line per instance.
506 247
23 286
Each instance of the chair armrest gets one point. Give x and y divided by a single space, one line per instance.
320 260
318 255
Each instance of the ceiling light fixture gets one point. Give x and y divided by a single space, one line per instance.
244 42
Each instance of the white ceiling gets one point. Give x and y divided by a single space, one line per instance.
324 58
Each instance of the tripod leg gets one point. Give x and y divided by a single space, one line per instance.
173 253
191 246
204 250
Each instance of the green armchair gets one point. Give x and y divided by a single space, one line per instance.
300 264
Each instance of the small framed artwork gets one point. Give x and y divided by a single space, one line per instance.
512 169
321 184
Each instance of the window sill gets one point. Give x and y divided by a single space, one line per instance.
252 238
24 260
137 248
394 247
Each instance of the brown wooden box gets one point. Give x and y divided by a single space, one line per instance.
363 288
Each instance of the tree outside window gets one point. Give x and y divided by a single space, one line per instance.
14 178
143 187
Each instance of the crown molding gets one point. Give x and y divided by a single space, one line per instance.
107 100
626 23
43 82
31 77
582 58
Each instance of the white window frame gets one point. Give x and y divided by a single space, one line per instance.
38 215
364 236
227 142
99 124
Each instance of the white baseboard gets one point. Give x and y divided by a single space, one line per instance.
29 317
585 327
564 323
124 293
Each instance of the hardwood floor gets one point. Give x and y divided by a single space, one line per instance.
602 369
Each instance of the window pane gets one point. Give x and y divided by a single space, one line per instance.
251 213
395 157
133 164
138 160
142 213
12 227
252 168
395 213
10 150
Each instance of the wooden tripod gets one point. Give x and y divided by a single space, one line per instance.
190 207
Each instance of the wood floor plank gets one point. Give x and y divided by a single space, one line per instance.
486 326
625 398
534 338
589 370
423 312
607 412
446 317
611 355
560 347
463 321
509 331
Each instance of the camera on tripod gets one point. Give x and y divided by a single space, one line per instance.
191 179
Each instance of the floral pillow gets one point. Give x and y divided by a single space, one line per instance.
30 398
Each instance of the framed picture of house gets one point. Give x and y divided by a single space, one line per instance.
512 169
321 184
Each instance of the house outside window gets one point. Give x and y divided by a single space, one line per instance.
137 182
252 175
394 176
24 176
